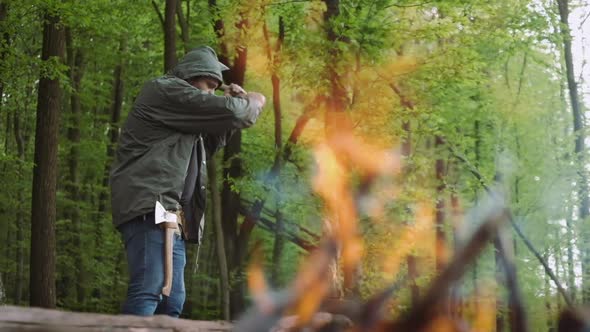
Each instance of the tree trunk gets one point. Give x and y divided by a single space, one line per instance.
500 304
456 302
406 150
441 241
170 35
558 262
571 273
235 237
221 254
3 54
584 201
114 128
336 121
20 217
183 22
477 148
274 62
547 293
43 206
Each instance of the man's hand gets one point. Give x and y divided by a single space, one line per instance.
257 97
233 90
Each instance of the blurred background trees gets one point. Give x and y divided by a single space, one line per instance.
499 83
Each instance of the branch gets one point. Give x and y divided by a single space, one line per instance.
268 225
159 13
411 5
286 2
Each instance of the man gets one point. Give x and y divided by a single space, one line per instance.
177 122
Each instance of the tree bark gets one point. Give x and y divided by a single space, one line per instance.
221 254
20 217
406 150
4 51
275 61
43 206
579 132
114 126
183 22
571 273
113 132
336 121
235 237
170 35
547 293
441 241
500 304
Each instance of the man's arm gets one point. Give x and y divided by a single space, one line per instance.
178 105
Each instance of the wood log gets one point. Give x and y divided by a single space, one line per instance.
18 319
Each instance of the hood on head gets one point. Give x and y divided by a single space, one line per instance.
201 61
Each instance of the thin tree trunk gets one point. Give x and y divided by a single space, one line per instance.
441 241
406 150
571 273
274 62
43 206
548 308
456 301
236 238
183 22
114 128
75 62
20 216
336 121
19 213
584 200
20 148
558 264
170 35
221 254
3 55
500 304
477 148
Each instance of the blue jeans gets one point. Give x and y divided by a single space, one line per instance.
144 243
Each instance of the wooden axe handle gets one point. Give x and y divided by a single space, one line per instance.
168 244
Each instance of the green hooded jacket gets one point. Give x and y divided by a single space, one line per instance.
167 137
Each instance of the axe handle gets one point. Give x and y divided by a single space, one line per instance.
168 244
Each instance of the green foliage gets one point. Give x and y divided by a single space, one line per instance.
484 75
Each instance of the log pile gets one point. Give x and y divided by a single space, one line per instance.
18 319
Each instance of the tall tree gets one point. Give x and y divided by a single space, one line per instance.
43 207
274 63
220 244
236 236
170 35
441 242
579 148
184 24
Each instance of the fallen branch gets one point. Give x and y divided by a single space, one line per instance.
270 226
35 319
